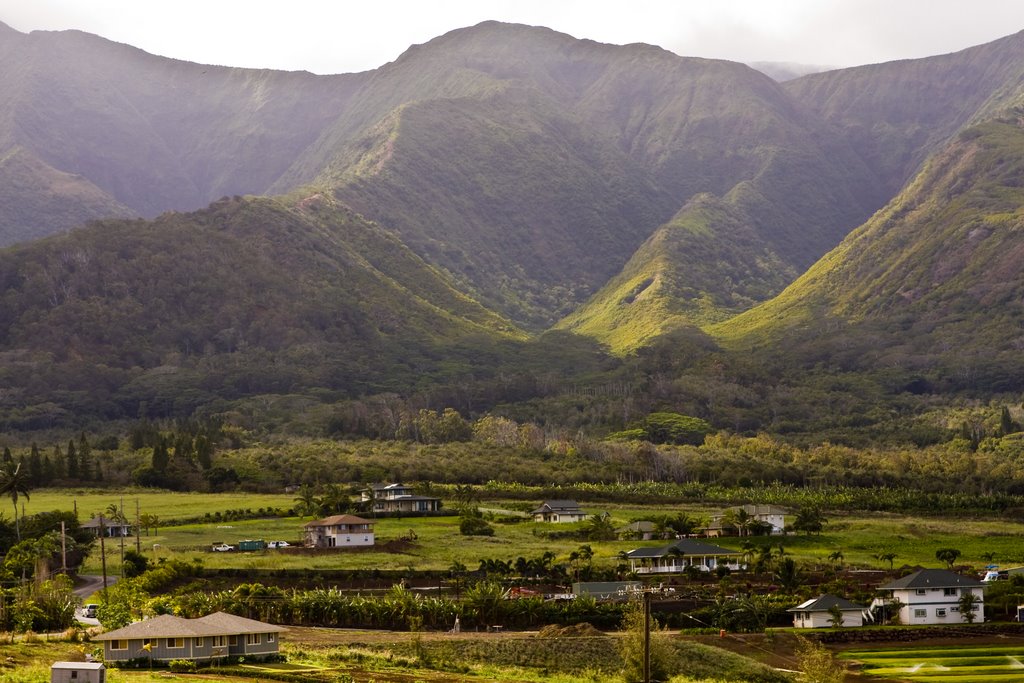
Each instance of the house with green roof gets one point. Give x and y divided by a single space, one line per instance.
681 555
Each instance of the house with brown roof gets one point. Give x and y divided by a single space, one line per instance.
339 531
214 637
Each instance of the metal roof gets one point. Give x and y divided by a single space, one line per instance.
932 578
170 626
686 546
823 603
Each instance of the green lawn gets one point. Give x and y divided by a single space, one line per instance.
965 663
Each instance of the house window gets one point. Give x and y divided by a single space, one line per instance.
252 639
199 642
270 637
949 591
920 613
232 640
175 643
74 674
940 612
922 591
119 645
218 641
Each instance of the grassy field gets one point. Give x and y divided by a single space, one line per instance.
438 544
960 664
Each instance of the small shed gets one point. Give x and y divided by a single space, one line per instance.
78 672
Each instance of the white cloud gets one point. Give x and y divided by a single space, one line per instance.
330 36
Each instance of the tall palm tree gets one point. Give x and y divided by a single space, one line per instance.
14 483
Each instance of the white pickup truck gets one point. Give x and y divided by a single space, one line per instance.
223 548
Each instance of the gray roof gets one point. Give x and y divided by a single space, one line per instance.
170 626
558 506
687 546
932 578
824 603
88 666
94 523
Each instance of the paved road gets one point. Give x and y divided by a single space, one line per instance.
89 584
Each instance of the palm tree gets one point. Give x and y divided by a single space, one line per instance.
837 557
14 483
889 557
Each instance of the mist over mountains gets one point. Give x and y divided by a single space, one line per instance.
497 215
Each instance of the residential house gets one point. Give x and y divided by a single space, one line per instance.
78 672
642 530
339 531
819 612
559 512
111 528
738 521
932 596
211 638
397 498
677 557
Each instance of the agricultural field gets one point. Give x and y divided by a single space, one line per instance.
945 664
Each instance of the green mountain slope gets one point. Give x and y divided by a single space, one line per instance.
932 284
530 165
248 296
155 133
38 199
898 113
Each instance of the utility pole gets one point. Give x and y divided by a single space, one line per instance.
138 528
103 557
121 520
63 549
647 636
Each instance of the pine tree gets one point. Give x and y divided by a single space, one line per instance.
84 458
35 467
72 460
8 458
58 462
160 455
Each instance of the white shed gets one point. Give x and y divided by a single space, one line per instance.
818 612
78 672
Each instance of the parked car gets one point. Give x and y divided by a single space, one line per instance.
90 610
223 548
278 544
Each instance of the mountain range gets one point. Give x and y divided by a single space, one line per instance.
501 199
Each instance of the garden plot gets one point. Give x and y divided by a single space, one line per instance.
943 664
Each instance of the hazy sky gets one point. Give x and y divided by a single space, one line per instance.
336 36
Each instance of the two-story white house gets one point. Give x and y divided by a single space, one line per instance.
771 516
339 531
932 596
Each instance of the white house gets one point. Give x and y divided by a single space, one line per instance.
772 516
931 596
818 612
110 527
559 511
676 557
78 672
339 531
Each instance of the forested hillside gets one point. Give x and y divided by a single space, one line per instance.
507 219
